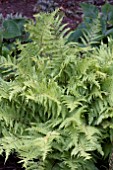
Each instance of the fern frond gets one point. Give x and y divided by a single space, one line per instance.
94 34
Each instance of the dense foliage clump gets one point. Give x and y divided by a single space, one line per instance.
96 26
56 100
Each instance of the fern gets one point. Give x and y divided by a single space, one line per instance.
96 25
54 111
92 35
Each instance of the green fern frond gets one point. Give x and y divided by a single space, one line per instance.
94 33
57 110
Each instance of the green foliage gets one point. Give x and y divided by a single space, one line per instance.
57 109
11 29
96 25
12 26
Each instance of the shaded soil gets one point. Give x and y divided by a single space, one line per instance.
25 7
11 163
71 8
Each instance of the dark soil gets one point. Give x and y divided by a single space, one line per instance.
25 7
73 13
11 163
